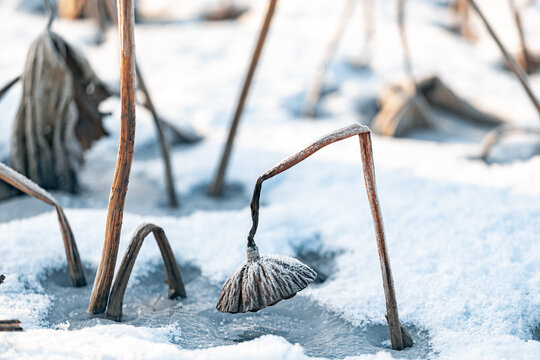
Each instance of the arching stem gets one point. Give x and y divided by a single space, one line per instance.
27 186
399 336
216 187
174 278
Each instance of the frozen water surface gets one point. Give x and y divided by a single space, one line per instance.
197 324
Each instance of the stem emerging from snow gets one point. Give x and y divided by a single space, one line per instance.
399 336
102 284
216 187
511 62
174 278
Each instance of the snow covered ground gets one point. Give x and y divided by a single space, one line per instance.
462 235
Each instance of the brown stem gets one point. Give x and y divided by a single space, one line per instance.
172 198
8 86
27 186
10 325
314 93
102 284
163 142
404 41
496 135
174 278
398 334
217 184
523 43
510 61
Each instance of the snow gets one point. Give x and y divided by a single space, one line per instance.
462 235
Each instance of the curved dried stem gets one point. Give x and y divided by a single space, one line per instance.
216 187
104 276
8 86
163 142
399 336
52 14
510 61
174 278
27 186
314 92
496 135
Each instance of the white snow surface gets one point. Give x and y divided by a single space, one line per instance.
462 235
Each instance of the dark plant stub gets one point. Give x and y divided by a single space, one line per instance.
263 281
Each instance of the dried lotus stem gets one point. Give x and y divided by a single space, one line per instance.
174 278
497 134
398 334
10 325
510 61
104 276
216 187
314 92
163 142
8 86
27 186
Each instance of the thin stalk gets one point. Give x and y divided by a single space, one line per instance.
314 92
511 62
399 336
524 50
102 284
8 86
27 186
174 278
163 142
216 187
407 65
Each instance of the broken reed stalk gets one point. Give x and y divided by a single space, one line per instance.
27 186
511 62
174 278
163 142
519 25
399 336
314 92
104 276
10 325
8 86
216 186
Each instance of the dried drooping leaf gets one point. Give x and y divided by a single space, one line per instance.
225 11
407 107
58 117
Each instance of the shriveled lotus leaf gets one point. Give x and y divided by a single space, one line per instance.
226 11
406 107
400 113
58 117
439 95
10 325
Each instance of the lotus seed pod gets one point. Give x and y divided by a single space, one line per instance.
263 281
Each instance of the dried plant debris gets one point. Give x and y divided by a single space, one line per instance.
227 10
104 11
10 325
174 278
58 117
2 278
25 185
407 107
